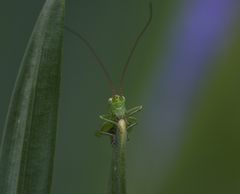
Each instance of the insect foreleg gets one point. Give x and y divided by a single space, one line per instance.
108 120
134 110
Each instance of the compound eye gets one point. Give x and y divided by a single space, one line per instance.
110 100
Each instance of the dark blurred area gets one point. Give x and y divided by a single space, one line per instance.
185 72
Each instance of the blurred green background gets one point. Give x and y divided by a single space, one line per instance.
185 72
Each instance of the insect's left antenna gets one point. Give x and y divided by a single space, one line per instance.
109 79
134 47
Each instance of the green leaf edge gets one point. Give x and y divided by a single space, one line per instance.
28 144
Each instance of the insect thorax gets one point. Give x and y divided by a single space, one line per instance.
117 106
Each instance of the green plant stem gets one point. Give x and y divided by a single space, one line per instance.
117 179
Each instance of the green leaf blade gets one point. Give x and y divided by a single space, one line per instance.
28 145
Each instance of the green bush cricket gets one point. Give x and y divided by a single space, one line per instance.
118 118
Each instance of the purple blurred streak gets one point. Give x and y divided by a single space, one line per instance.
198 38
204 29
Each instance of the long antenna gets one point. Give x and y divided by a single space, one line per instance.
134 47
109 79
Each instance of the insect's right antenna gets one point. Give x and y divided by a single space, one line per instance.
134 47
109 79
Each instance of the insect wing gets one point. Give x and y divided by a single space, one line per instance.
106 127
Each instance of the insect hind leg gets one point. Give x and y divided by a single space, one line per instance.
131 126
